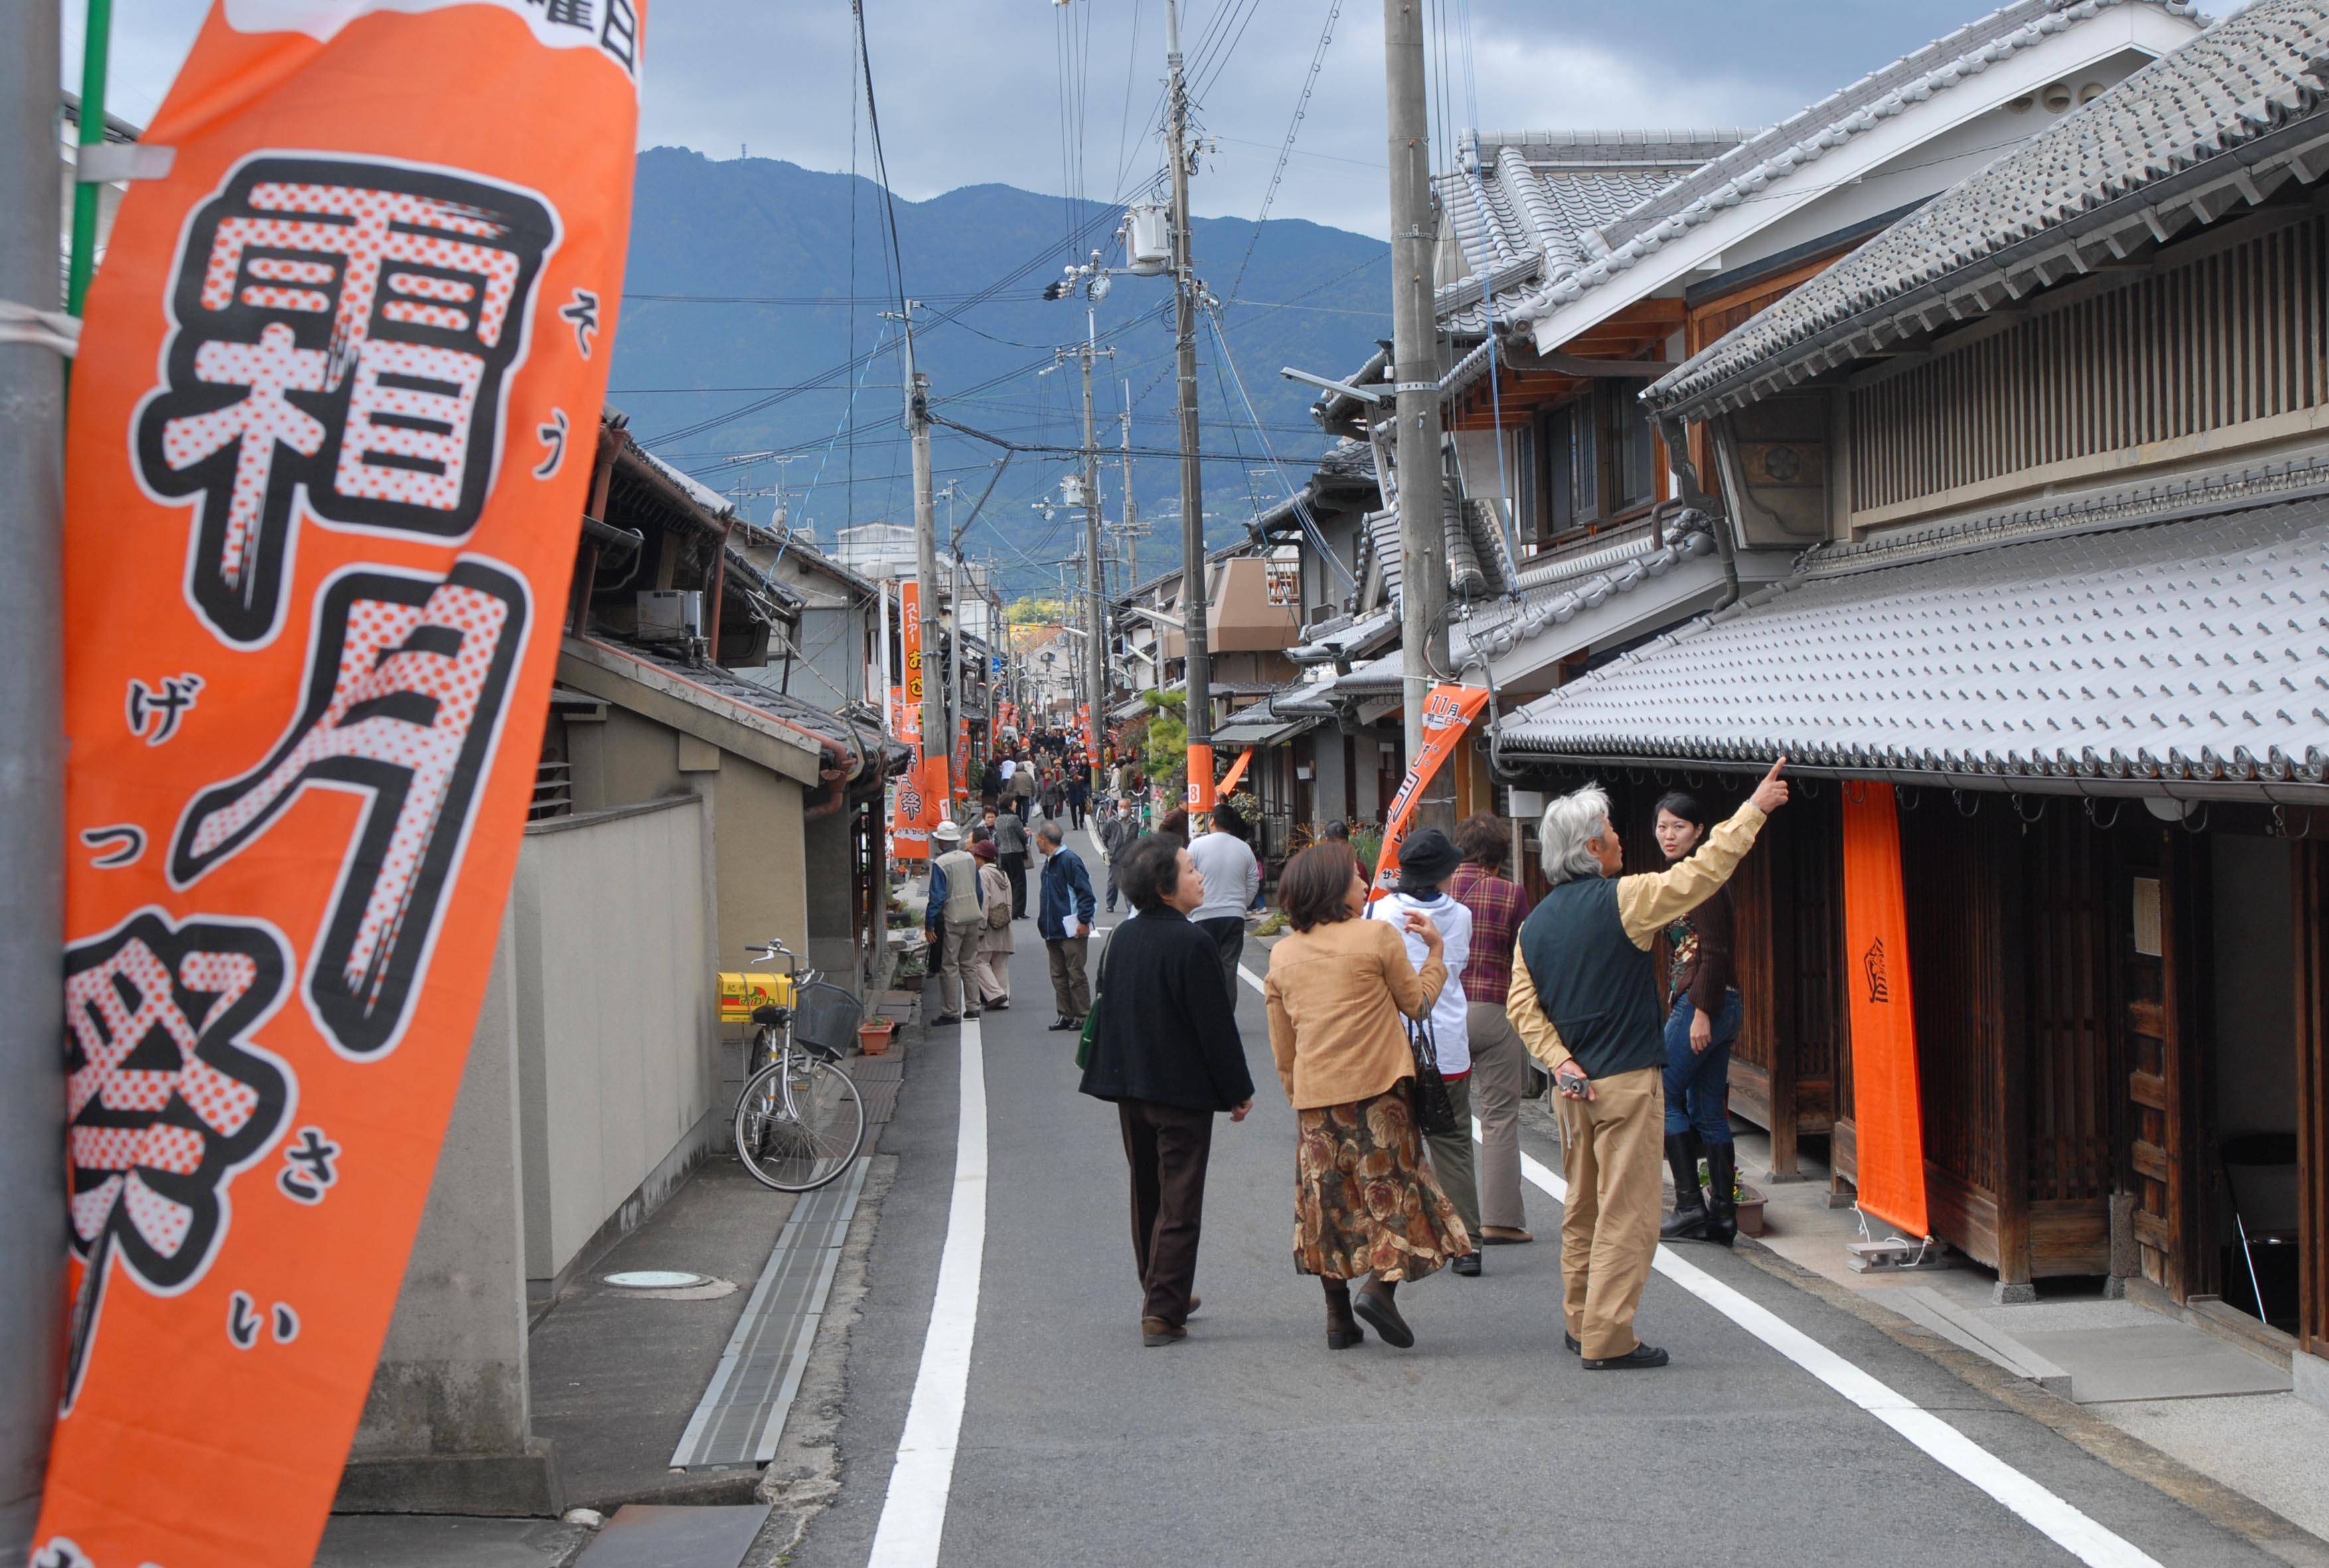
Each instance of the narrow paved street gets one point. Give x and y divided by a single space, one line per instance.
1251 1442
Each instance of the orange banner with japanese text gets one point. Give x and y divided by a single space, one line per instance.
1887 1109
332 425
910 632
917 803
1447 713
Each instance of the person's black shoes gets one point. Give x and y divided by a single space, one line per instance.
1382 1314
1468 1265
1639 1357
945 1018
1568 1342
970 1012
1056 1024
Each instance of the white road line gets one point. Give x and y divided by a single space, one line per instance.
2042 1510
913 1515
1249 976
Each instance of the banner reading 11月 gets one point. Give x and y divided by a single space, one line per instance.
332 425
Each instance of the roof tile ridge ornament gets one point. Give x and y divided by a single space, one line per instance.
1615 250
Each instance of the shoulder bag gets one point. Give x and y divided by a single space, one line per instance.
1090 1035
1435 1112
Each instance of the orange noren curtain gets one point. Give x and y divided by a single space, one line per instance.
1884 1012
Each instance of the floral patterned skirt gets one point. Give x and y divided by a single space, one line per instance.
1365 1202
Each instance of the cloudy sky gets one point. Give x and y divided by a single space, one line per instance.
1055 98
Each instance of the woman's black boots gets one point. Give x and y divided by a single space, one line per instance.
1342 1330
1689 1219
1721 1197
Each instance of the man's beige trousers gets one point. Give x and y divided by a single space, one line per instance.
1614 1147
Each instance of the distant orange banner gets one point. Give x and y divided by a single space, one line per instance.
1885 1100
1237 772
920 797
333 424
1447 713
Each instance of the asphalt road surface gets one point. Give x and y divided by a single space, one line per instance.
1785 1431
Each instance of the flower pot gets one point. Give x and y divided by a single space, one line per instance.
1750 1211
873 1040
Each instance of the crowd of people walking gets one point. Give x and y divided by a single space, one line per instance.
1398 1018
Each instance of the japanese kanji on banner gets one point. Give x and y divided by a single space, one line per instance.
332 424
910 642
1448 713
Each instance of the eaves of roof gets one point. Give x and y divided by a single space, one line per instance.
2179 658
2222 124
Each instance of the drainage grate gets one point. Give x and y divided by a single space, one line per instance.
742 1413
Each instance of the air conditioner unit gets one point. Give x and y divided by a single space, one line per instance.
1147 239
670 614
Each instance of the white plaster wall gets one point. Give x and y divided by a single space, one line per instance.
615 1000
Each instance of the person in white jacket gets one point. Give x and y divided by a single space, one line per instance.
1426 859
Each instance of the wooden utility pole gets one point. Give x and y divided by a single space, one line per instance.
1198 663
1095 613
935 740
1415 350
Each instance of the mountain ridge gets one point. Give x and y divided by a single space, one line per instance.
773 240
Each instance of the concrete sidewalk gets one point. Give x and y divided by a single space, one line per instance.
617 1374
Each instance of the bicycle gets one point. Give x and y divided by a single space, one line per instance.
800 1121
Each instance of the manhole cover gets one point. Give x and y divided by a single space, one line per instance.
657 1280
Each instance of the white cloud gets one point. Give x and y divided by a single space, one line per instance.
970 90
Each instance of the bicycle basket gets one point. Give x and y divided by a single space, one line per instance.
825 1019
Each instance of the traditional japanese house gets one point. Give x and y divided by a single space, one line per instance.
2041 473
1576 266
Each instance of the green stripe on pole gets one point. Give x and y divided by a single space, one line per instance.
86 194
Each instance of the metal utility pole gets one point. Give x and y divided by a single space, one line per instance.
32 779
1199 665
1422 528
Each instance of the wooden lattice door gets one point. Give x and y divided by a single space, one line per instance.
2160 1169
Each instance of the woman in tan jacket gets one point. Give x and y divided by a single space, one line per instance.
1365 1201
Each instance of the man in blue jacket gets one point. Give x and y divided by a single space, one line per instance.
1063 919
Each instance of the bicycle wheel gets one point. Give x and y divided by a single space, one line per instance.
799 1123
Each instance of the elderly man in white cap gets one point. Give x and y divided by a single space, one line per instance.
951 922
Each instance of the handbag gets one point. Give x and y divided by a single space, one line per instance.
1435 1112
1091 1013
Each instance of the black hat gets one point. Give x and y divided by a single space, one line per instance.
1428 857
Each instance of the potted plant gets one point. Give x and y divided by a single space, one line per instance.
874 1034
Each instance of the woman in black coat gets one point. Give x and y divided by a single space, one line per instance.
1165 1049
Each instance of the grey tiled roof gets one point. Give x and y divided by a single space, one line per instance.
2226 119
1771 157
2194 650
1544 195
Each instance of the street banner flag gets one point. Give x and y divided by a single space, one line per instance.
332 426
898 712
919 804
1237 771
962 759
1885 1101
1448 713
910 630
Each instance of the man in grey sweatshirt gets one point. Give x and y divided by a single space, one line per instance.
1233 876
